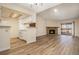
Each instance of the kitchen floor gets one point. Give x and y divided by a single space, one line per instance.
16 43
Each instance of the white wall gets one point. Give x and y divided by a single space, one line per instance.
40 26
53 23
77 27
14 28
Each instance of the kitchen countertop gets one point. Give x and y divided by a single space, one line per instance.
5 26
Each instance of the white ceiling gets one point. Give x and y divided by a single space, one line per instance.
61 12
17 7
39 7
10 13
49 11
29 8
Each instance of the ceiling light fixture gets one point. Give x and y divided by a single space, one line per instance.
37 4
14 15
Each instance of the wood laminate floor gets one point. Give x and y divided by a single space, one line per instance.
45 45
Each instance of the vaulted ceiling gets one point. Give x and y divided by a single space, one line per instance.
61 12
38 7
49 11
17 9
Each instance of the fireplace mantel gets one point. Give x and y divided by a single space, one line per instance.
52 27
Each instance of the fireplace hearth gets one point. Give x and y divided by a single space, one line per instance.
52 30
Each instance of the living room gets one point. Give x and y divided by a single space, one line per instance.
42 29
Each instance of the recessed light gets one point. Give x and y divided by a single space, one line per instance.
14 15
55 10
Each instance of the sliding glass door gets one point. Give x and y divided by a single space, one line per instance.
66 28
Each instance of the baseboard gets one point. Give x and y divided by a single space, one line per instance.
77 36
40 36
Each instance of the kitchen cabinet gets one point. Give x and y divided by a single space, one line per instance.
29 35
4 38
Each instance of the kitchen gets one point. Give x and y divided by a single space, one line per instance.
16 24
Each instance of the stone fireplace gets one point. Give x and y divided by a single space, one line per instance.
52 30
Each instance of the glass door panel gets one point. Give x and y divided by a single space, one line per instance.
66 28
